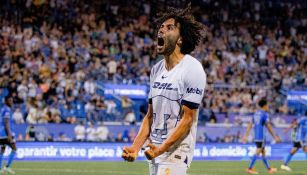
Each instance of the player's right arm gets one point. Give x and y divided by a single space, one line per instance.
7 126
248 129
293 125
130 153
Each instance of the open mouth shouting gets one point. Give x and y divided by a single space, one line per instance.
160 44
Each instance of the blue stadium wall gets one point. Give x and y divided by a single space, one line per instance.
68 129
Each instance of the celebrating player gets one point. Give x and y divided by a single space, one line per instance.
299 140
177 85
259 121
6 135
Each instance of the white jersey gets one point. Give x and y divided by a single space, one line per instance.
169 90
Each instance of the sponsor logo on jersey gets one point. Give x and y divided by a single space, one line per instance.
194 91
166 86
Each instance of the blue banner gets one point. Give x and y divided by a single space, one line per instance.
296 97
75 151
132 91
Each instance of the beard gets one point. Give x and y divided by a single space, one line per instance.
169 46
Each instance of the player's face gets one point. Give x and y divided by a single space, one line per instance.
168 36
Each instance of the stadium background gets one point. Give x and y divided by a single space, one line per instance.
77 66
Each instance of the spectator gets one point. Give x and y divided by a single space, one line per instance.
91 114
68 114
119 137
112 67
90 86
55 114
20 138
90 133
18 116
132 134
30 133
126 104
22 90
102 132
80 132
62 138
130 117
111 105
212 118
32 116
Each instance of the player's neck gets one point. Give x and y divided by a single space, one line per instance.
173 59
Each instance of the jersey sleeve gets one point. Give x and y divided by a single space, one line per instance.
5 113
194 87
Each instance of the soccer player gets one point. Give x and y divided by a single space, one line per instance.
177 85
299 140
259 121
6 135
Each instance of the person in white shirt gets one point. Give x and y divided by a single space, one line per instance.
90 86
112 68
177 86
32 86
91 133
102 132
18 117
32 116
80 132
130 117
23 90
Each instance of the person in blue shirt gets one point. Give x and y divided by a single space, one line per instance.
6 134
259 122
299 140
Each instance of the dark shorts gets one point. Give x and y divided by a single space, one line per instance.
259 144
5 141
297 144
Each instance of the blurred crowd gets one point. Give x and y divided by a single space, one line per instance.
53 52
81 133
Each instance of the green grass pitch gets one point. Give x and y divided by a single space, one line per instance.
141 168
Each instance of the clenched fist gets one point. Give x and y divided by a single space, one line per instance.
152 152
129 154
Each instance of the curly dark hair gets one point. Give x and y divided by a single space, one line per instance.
191 31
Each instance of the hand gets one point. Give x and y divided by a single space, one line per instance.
244 140
277 139
152 152
129 154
